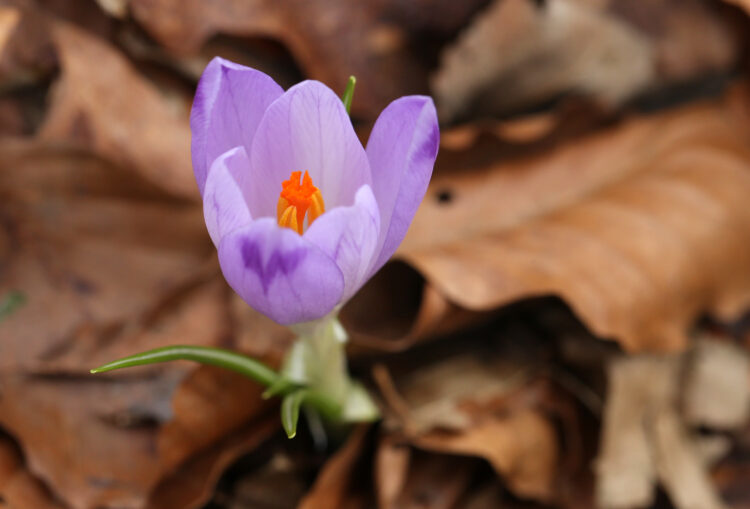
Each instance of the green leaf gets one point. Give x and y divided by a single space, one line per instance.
204 354
349 94
10 303
278 384
290 406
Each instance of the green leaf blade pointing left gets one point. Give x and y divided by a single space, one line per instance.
203 354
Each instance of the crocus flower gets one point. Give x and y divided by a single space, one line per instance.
301 213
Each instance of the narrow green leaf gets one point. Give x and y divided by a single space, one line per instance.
251 368
290 406
204 354
10 303
349 94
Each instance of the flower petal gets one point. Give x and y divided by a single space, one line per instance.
279 273
229 103
308 128
402 149
349 235
224 198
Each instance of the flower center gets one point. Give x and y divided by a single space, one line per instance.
297 200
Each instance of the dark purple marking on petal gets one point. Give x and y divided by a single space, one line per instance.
278 263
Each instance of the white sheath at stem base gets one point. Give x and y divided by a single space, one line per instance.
318 360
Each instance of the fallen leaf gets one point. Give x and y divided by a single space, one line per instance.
647 436
716 392
109 265
334 481
436 481
192 485
522 448
520 53
18 486
382 42
639 228
392 461
117 113
743 4
482 404
638 389
89 235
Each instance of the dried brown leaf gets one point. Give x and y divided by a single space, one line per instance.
117 113
392 461
680 466
647 435
639 228
476 404
522 448
18 486
334 481
192 485
520 53
639 387
716 386
109 265
371 39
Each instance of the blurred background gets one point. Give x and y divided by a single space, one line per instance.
565 325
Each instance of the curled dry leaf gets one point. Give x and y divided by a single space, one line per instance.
743 4
716 392
117 113
392 462
522 448
376 41
520 53
333 486
18 486
109 265
639 228
647 437
639 388
679 465
436 481
525 54
86 234
192 485
477 406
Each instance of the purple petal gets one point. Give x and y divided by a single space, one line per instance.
225 196
308 128
349 235
279 273
402 150
229 103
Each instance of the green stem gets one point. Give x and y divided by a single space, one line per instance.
225 359
349 93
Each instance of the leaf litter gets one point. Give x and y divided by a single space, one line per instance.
563 211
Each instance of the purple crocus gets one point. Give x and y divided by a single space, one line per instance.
301 213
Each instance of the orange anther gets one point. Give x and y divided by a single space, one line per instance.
296 199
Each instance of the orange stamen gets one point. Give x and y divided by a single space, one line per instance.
296 199
289 219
